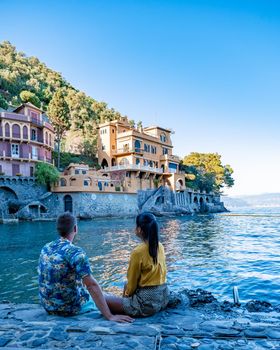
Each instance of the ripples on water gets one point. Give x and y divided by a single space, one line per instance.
213 252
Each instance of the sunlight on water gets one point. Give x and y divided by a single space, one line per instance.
213 252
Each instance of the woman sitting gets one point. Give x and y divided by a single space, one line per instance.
146 291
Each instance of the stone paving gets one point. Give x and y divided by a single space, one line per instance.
189 325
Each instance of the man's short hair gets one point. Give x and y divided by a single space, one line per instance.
65 224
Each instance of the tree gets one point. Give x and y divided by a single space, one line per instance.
132 123
139 125
210 174
3 102
46 174
59 114
28 96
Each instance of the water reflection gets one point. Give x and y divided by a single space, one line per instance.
213 252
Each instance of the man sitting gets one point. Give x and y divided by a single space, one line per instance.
64 272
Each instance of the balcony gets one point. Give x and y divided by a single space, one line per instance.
36 121
135 167
124 151
170 157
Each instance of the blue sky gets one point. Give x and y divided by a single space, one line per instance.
207 69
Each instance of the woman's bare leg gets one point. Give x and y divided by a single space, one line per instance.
115 304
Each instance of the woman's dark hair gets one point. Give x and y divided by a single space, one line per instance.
149 229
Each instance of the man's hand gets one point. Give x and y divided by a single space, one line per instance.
121 319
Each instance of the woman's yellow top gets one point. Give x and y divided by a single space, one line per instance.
142 271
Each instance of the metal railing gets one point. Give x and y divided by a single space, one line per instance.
135 167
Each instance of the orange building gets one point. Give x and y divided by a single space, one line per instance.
143 155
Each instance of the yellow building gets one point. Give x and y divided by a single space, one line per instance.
143 155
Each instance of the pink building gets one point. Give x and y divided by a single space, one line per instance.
26 137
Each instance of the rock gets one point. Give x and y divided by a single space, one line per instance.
258 306
57 335
39 342
199 297
26 336
226 332
273 333
4 340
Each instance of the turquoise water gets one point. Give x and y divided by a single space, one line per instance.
213 252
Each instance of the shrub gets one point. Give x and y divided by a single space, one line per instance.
46 174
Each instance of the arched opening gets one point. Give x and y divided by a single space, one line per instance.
195 200
9 197
201 201
113 162
104 163
7 193
16 131
207 199
179 185
137 146
159 200
124 161
33 135
25 132
162 137
68 203
7 130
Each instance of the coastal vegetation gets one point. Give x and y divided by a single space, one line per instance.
205 172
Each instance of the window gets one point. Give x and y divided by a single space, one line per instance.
34 153
34 115
77 171
62 182
146 148
86 182
172 167
162 137
137 145
113 131
15 150
146 162
137 161
84 172
128 174
16 131
164 150
33 135
103 147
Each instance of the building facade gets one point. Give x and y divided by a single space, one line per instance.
143 156
131 160
26 137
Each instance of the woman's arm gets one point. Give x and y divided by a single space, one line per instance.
133 274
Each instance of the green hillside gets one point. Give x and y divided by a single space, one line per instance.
24 79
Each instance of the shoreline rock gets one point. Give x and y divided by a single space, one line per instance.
196 320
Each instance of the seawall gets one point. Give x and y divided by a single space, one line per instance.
21 198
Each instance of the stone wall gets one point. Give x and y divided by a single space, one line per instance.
91 205
25 188
34 202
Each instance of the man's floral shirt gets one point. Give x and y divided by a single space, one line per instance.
62 265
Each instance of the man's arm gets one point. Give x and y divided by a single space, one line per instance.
98 297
